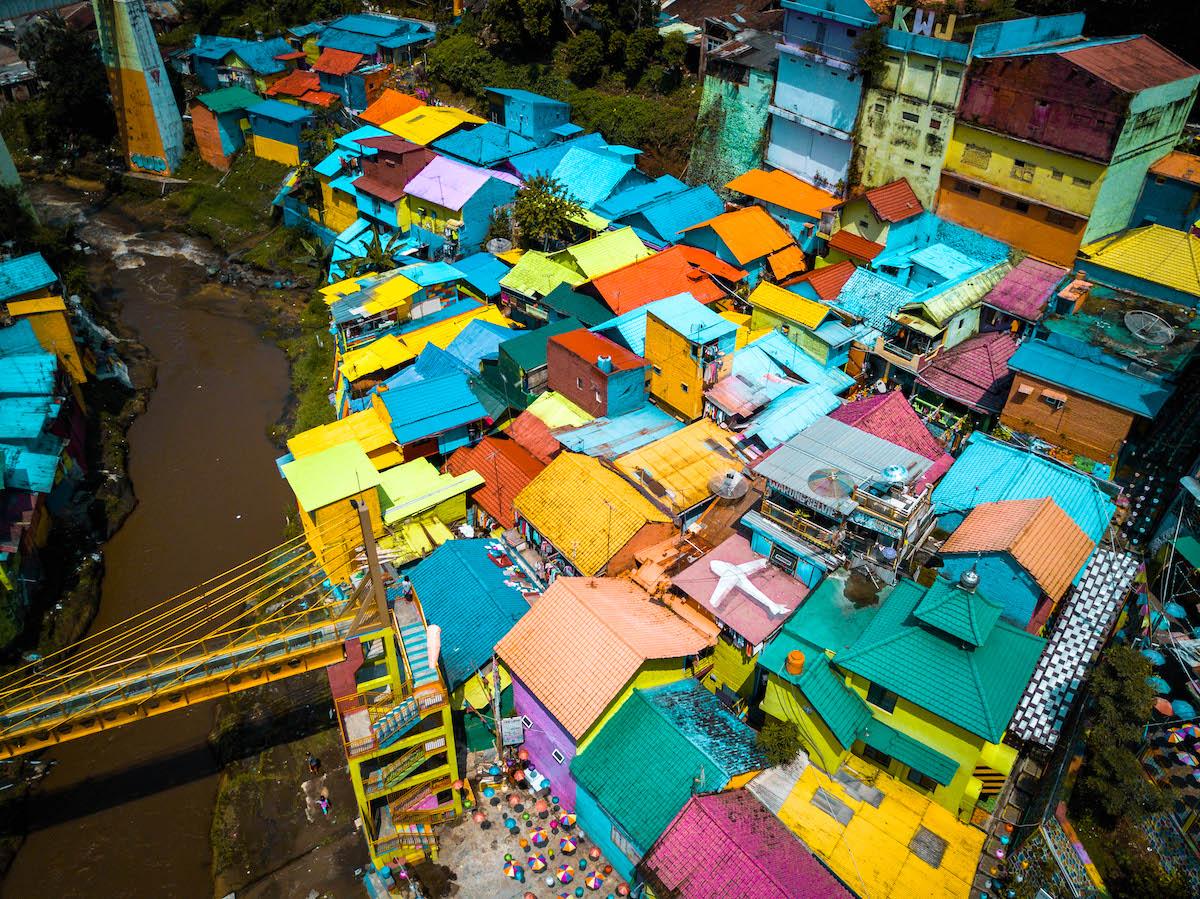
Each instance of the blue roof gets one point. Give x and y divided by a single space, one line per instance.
306 30
567 129
590 177
465 590
612 437
258 55
668 216
483 272
24 418
682 313
990 470
427 273
1106 383
378 26
790 413
281 112
19 339
944 260
432 362
873 298
543 161
348 41
634 198
32 468
29 374
349 140
478 341
431 406
484 146
24 274
524 96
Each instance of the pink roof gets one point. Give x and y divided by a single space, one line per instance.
451 184
1025 291
729 844
891 417
742 614
974 373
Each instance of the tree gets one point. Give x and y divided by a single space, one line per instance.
542 211
623 15
584 55
779 741
524 27
76 112
641 50
378 256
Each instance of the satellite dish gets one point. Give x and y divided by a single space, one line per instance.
731 485
498 245
830 483
894 475
1149 328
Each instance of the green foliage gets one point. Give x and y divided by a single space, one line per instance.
1139 873
461 63
526 28
623 15
616 48
640 50
379 255
73 113
311 355
779 741
872 54
584 57
241 19
541 210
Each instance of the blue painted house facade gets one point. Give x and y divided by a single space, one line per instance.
528 114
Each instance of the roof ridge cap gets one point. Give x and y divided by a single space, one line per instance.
989 721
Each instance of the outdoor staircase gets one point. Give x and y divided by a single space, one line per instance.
394 724
413 638
393 774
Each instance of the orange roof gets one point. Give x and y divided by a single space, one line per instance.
781 189
1180 166
711 263
749 233
296 83
855 246
320 98
506 468
534 435
337 62
391 105
894 202
662 275
829 280
787 262
1043 539
583 642
586 345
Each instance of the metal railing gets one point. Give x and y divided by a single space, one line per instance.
424 700
802 526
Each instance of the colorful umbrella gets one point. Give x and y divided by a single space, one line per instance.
566 873
1175 610
1181 708
1176 736
566 845
537 862
513 870
594 881
1162 706
1158 685
538 836
1154 656
1189 730
1196 774
1187 758
567 820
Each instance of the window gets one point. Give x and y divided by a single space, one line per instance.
683 387
1016 205
527 722
880 109
971 190
910 162
1081 182
910 117
928 67
951 73
1023 171
863 223
1056 175
924 781
625 844
1060 219
1159 179
579 383
882 759
850 32
977 156
657 370
783 559
1053 399
881 697
558 757
935 124
925 168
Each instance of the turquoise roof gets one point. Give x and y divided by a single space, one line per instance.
350 140
524 96
967 615
842 710
280 112
478 341
794 361
975 687
682 313
880 735
228 99
464 590
1109 384
662 745
543 161
990 470
590 177
612 437
486 145
483 272
873 298
258 55
19 339
635 198
24 274
826 620
666 218
790 413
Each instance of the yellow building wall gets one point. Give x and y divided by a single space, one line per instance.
275 150
340 210
434 219
677 377
333 532
653 673
1059 180
761 319
732 668
785 701
53 332
857 218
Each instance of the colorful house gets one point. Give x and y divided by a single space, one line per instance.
420 504
816 328
50 320
679 469
302 86
350 77
795 203
220 123
1052 143
966 386
528 114
599 376
664 745
522 370
601 632
506 467
277 129
660 222
388 163
435 416
879 214
759 856
450 205
1153 261
371 429
488 145
1171 193
425 124
390 104
608 438
378 37
747 622
675 270
747 238
1020 298
891 417
219 61
583 518
1021 550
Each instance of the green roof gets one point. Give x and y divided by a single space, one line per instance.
568 302
228 99
330 475
536 274
528 351
941 308
841 708
974 687
904 749
605 253
966 614
1189 548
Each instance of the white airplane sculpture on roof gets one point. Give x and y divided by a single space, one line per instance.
738 576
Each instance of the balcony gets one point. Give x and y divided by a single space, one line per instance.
798 523
911 359
894 509
372 723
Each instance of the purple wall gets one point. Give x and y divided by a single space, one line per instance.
542 739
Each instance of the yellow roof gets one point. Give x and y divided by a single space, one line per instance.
1154 253
31 307
334 292
512 257
389 294
788 305
585 510
390 351
677 468
871 854
477 693
417 486
556 411
425 124
371 429
415 539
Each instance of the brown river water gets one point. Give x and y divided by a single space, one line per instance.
127 813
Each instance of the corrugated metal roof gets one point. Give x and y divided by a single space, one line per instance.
330 475
791 359
669 216
1154 253
681 313
1026 290
486 145
391 104
570 303
891 417
1180 166
789 413
656 276
525 96
337 62
506 468
779 188
748 233
590 177
24 274
528 349
426 124
677 468
975 372
531 433
371 429
431 406
1132 64
605 253
787 262
789 305
873 298
1108 384
855 246
451 184
608 438
537 274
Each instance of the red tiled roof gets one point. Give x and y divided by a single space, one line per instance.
506 468
854 246
662 275
894 202
890 417
586 345
320 98
974 373
531 432
1133 65
337 62
1026 290
711 263
391 144
296 83
828 281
